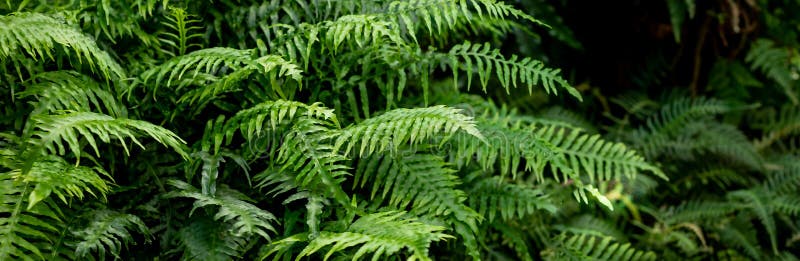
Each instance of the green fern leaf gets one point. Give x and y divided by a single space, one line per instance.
591 156
182 26
774 63
71 91
56 133
483 59
25 235
384 233
39 35
307 154
245 218
107 232
758 204
206 239
401 126
493 196
597 248
54 176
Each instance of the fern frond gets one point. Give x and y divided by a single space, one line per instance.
593 226
423 183
776 126
25 235
724 140
40 35
742 235
71 91
182 25
785 180
307 154
107 232
774 63
600 160
699 210
383 233
596 248
206 239
251 121
493 197
236 65
484 59
436 15
271 66
245 218
756 202
418 180
53 175
313 193
509 145
401 126
57 133
669 122
361 29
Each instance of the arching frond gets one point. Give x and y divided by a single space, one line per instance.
71 91
108 231
493 197
698 210
245 218
206 239
742 235
383 233
183 29
425 185
25 234
57 133
437 15
755 201
39 36
663 127
586 247
53 175
484 59
361 29
595 158
776 125
774 63
307 154
214 60
401 126
509 146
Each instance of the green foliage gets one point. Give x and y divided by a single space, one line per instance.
347 130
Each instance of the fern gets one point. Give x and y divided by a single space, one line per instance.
205 239
107 232
584 247
493 197
57 133
181 24
25 234
660 128
54 176
401 126
71 91
382 233
309 156
774 63
423 184
595 158
39 35
482 58
246 219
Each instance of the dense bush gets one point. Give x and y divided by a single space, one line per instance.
419 130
